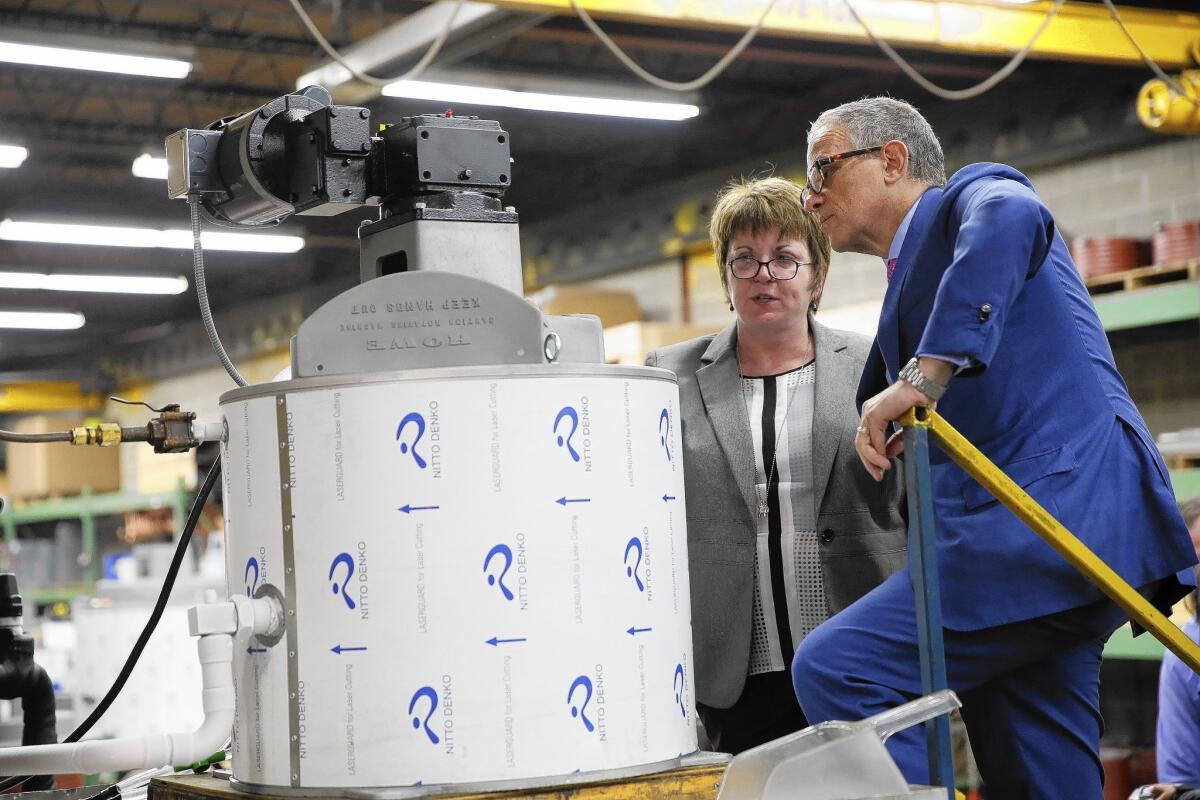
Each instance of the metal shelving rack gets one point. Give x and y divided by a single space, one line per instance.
87 507
1153 305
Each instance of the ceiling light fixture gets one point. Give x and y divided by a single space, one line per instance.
42 320
12 156
92 60
117 284
148 166
118 236
539 101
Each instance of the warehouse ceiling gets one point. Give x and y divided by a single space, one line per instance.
83 130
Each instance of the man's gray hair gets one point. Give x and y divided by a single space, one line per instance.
874 121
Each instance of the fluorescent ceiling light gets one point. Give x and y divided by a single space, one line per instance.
116 236
93 60
120 284
12 156
539 101
42 320
148 166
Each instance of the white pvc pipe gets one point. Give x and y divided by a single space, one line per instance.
111 755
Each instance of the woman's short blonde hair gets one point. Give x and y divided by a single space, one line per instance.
762 204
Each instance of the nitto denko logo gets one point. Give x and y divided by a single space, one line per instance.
563 437
679 686
567 423
425 693
347 561
500 552
251 576
415 423
583 687
664 432
634 548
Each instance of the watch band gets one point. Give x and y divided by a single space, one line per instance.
911 374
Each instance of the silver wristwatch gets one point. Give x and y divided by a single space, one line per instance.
923 383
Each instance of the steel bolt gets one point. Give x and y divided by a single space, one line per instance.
332 111
363 113
464 175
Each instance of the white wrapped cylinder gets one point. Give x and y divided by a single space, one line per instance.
485 574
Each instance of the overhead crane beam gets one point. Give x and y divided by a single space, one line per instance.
1079 32
39 396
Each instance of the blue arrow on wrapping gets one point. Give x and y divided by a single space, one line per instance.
408 509
496 641
562 501
636 631
339 649
667 497
253 650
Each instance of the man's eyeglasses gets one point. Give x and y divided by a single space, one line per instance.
781 269
816 172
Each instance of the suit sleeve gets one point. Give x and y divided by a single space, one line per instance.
874 376
1004 236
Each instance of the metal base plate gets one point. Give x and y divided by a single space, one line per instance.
697 759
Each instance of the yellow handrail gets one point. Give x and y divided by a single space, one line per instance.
1077 554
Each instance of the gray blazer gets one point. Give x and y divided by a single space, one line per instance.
859 522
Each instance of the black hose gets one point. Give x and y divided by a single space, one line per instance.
37 706
159 607
35 438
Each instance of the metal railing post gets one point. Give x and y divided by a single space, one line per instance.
923 550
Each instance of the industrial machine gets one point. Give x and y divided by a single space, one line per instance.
456 548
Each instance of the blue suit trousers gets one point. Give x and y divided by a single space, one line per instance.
1030 689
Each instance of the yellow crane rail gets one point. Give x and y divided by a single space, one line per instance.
1080 31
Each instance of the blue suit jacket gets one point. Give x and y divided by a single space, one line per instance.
984 274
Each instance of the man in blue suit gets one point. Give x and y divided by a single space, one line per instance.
984 304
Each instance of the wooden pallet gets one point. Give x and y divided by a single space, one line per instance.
1182 460
1143 276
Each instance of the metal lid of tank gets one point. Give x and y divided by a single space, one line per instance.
573 370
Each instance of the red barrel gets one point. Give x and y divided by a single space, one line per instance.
1104 255
1176 242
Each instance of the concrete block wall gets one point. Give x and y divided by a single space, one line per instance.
1124 194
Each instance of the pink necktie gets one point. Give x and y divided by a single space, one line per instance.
891 267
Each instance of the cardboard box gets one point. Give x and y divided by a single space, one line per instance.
611 306
629 343
46 470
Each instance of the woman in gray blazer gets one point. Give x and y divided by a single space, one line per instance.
785 527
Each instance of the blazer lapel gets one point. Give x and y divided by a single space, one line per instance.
888 335
721 390
835 386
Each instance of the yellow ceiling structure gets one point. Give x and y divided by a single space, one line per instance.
1079 32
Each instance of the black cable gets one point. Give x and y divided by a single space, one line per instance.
159 607
35 438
